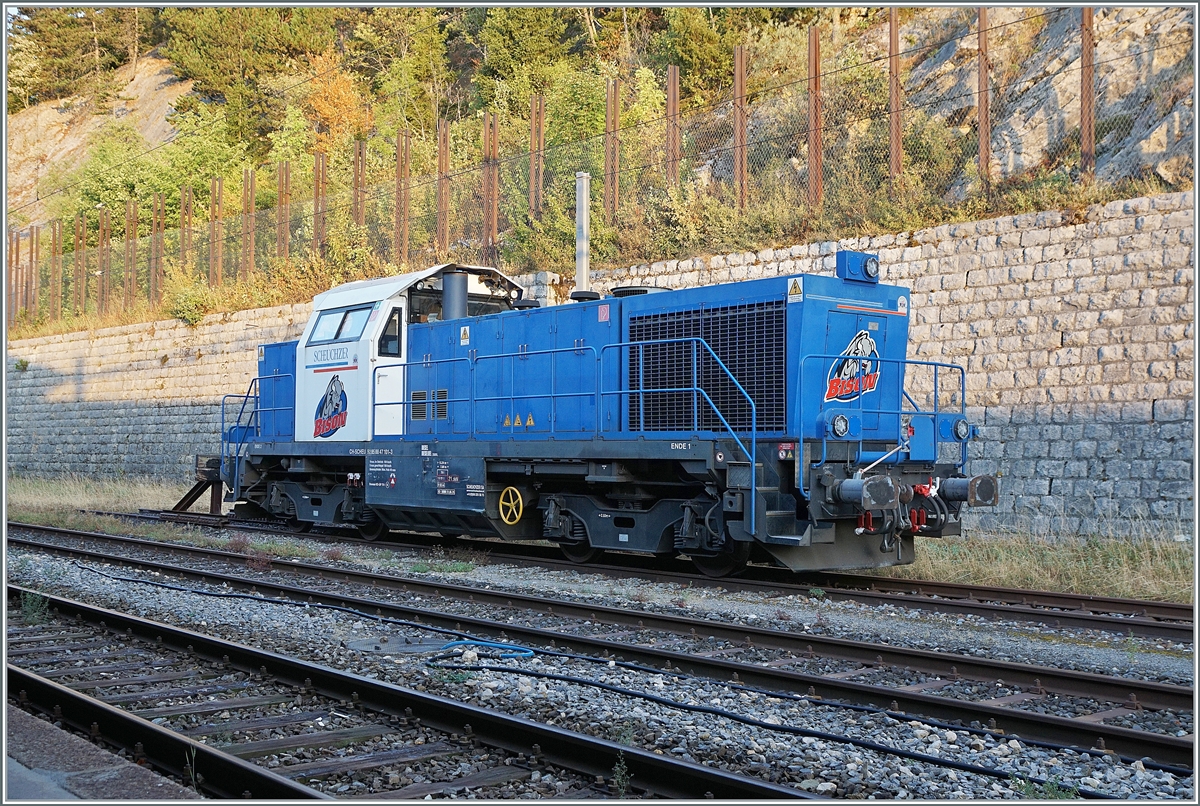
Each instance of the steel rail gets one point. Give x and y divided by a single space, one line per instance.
671 778
1032 611
1148 694
1164 619
1058 730
226 776
1135 616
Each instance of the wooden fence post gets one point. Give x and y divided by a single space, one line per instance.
537 153
815 161
34 273
674 138
984 105
1087 99
81 272
491 188
14 274
186 201
612 151
158 245
283 208
443 189
741 173
403 146
319 177
103 260
359 181
129 275
216 236
55 269
249 224
894 130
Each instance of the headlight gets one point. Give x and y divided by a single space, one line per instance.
871 268
841 426
962 429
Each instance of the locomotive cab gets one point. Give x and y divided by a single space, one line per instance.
351 362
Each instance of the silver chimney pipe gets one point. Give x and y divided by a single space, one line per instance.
583 238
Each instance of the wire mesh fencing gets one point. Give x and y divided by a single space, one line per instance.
831 148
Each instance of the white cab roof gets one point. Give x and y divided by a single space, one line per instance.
361 291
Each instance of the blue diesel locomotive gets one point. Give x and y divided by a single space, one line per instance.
777 417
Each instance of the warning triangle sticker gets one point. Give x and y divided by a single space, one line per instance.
795 289
529 420
518 422
507 421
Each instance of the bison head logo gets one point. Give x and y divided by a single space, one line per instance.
856 372
331 410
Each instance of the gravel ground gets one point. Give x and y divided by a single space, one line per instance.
764 747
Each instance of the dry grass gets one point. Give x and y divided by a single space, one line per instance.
32 494
1159 569
59 501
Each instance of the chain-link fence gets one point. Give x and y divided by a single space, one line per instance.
1071 102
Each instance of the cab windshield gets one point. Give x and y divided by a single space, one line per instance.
342 325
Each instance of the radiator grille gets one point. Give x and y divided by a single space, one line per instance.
749 339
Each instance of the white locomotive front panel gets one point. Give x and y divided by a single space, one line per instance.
353 341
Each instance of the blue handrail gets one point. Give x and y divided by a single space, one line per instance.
246 423
857 403
598 393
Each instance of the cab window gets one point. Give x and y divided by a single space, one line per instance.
389 342
340 325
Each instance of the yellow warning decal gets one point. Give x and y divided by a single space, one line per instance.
517 422
795 290
529 420
507 421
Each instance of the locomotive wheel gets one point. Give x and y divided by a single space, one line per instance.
298 526
372 530
512 506
724 564
582 552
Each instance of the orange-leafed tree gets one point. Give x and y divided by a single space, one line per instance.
335 105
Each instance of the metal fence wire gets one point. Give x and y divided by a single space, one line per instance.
820 145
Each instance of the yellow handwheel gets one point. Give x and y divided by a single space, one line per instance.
511 505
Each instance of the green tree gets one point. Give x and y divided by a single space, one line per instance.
523 50
24 70
77 48
401 52
226 51
693 42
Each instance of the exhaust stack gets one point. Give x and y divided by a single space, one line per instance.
454 294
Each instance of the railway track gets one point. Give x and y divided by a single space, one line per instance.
1060 610
801 663
264 725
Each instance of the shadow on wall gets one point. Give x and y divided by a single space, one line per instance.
1088 472
52 429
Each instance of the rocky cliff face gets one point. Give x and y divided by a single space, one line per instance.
56 133
1144 84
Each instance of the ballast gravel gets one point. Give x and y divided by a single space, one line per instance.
526 686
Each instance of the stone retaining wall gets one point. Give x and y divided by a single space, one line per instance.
1076 329
138 400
